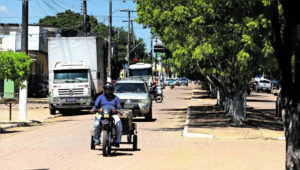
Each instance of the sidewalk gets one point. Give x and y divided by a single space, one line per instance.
206 120
37 112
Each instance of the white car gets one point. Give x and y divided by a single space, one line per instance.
135 95
263 85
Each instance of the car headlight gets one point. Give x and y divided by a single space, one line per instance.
144 101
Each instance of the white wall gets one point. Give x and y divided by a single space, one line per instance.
37 40
11 41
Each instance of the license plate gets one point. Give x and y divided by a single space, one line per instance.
71 100
129 106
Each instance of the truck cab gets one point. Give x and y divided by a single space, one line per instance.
71 87
143 71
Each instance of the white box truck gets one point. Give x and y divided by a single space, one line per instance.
76 72
143 71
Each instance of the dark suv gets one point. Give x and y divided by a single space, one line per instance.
183 81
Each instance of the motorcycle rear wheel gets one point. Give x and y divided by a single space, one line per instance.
92 143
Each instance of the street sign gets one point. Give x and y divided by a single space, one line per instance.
159 48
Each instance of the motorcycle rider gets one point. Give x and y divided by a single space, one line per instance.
171 83
107 100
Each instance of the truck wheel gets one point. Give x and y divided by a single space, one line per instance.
135 142
149 115
105 145
52 111
92 143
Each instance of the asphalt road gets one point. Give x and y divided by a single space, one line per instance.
64 143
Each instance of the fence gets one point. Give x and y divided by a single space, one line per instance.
5 97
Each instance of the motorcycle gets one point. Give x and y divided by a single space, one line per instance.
108 129
172 86
157 94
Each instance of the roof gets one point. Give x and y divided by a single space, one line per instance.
131 80
140 66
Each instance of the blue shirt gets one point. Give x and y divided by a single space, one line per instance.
102 102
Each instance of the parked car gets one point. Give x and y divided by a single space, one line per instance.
169 81
278 103
136 96
263 85
183 81
38 89
176 82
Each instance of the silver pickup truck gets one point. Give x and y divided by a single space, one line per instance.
263 85
135 95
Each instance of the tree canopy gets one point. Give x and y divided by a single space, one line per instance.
227 39
14 66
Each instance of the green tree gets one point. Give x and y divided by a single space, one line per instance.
286 43
15 66
224 38
68 20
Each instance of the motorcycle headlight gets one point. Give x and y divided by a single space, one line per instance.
106 115
144 101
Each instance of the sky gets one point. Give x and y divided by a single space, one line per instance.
11 12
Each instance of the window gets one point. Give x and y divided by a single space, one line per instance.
140 72
70 76
130 87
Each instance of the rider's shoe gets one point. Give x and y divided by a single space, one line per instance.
97 143
117 145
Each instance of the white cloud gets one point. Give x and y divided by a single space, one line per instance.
3 9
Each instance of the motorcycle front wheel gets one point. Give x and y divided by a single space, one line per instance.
106 148
158 98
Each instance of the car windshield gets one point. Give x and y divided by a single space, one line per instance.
70 76
140 72
183 79
264 81
130 87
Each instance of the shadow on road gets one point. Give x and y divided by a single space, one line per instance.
143 120
180 128
257 100
9 131
120 151
214 116
75 113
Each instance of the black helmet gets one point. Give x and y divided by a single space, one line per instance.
108 86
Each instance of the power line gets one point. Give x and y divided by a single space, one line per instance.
49 6
38 3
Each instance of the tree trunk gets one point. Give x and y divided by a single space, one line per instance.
291 117
236 109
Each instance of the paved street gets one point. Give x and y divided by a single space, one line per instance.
63 143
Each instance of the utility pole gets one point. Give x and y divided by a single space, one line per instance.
155 57
24 48
84 18
151 61
133 38
128 43
128 38
24 37
109 43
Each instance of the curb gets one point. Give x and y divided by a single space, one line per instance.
200 135
23 124
192 135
